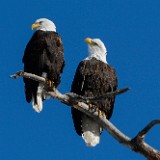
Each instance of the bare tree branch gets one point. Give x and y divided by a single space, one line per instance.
143 132
137 143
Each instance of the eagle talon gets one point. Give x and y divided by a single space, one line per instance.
101 113
92 108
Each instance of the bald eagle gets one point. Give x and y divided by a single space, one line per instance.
93 77
43 56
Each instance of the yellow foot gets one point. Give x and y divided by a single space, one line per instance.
101 113
50 84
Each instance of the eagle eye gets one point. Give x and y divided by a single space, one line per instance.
96 44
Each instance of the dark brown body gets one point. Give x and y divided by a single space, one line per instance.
94 78
43 53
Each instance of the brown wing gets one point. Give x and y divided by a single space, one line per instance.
94 78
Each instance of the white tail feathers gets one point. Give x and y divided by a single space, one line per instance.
91 131
39 105
91 139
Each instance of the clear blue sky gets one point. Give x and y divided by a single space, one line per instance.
131 33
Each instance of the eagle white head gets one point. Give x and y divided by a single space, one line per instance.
44 24
96 49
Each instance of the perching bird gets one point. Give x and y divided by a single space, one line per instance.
43 56
93 77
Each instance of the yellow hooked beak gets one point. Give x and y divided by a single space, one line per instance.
89 41
35 26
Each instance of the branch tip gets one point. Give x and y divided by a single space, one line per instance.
16 75
145 130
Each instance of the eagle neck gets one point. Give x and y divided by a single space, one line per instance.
98 57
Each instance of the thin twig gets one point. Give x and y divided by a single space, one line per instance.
28 75
145 130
